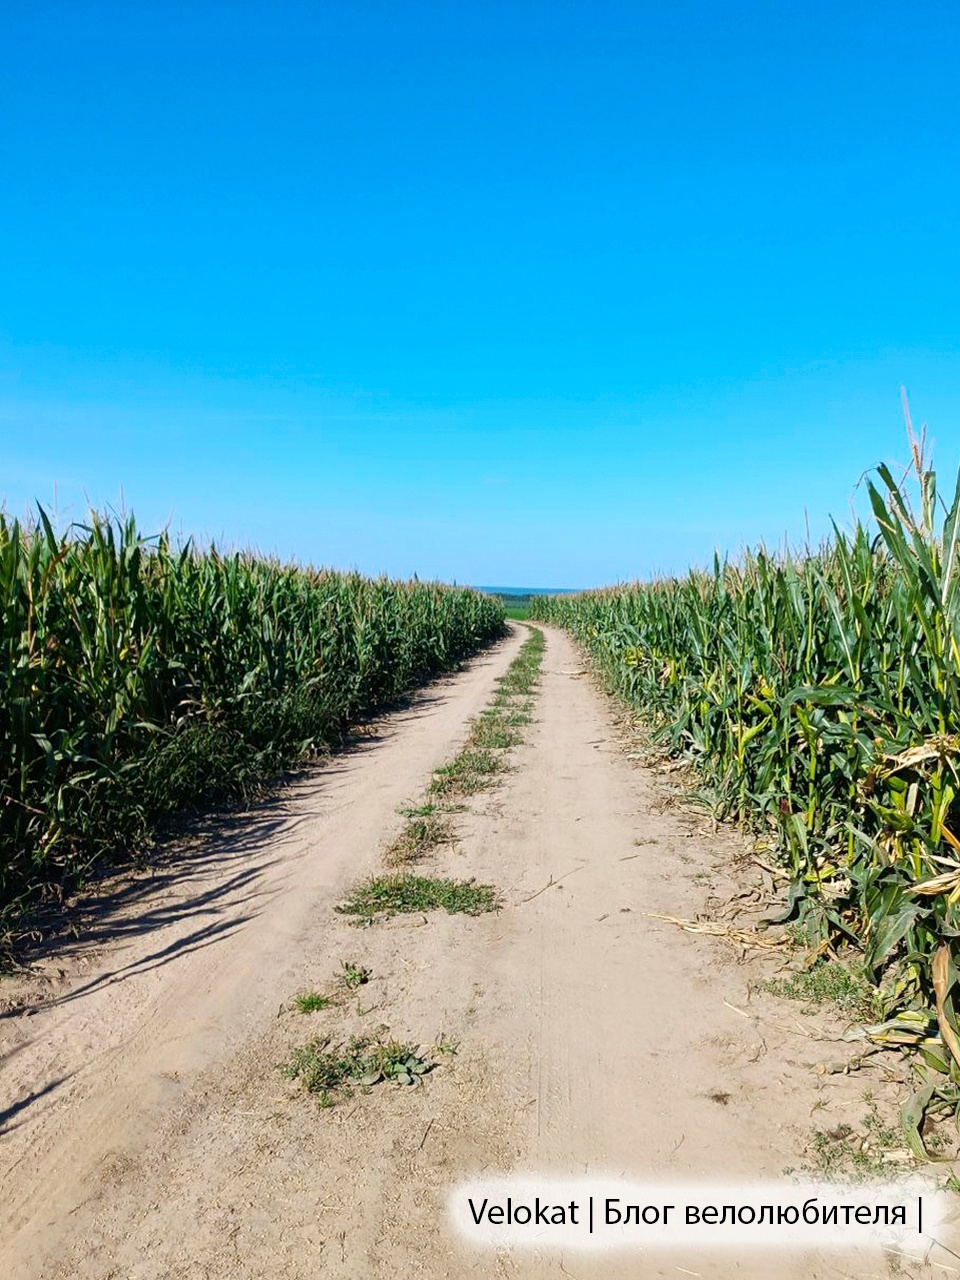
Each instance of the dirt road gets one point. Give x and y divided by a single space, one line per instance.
147 1132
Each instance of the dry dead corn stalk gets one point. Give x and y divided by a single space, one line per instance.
717 929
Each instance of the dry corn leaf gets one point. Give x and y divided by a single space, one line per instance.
946 883
717 929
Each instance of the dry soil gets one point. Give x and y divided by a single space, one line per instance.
147 1132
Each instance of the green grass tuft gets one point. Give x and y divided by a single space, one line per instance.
492 732
419 838
828 982
471 771
312 1002
391 895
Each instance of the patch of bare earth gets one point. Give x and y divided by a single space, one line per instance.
149 1134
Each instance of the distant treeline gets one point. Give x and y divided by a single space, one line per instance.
511 599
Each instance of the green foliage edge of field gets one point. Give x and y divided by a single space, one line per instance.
139 680
818 697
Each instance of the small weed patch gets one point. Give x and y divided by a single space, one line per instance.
471 771
331 1070
420 837
828 982
354 975
383 896
871 1151
518 684
492 732
311 1002
474 769
510 709
520 678
518 713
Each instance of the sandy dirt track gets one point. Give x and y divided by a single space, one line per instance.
148 1134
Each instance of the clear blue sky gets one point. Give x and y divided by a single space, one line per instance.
542 293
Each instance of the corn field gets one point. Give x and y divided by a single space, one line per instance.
818 696
137 679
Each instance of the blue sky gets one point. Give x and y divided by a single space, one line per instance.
540 293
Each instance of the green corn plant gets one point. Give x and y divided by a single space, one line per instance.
138 679
818 696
